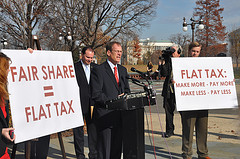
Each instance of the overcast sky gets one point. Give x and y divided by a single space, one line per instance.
170 13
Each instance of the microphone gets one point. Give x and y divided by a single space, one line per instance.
133 79
141 73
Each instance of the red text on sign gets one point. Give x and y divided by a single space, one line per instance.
27 74
51 72
210 73
44 111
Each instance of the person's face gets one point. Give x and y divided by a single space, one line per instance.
115 55
87 57
195 51
175 54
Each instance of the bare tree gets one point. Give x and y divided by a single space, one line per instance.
94 22
125 40
182 40
19 18
91 21
63 18
115 17
234 39
155 56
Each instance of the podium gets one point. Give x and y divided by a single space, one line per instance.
132 106
133 134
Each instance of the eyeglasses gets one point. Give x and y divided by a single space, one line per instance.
117 51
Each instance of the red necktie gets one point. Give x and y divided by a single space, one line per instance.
116 74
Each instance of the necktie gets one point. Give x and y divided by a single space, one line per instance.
116 74
87 71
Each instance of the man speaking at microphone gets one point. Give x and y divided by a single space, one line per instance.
109 81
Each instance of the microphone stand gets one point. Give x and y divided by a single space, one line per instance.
147 88
133 141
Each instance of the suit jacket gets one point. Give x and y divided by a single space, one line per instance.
3 124
84 87
104 87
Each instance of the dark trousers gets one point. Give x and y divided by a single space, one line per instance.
39 148
110 143
169 106
92 139
109 134
199 120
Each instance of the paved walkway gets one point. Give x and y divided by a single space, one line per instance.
223 136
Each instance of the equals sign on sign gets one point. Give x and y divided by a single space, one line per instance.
48 91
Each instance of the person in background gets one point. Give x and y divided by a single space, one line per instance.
83 70
4 110
157 73
221 55
149 68
197 119
109 81
168 93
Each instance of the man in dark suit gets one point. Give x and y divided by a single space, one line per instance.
108 81
83 69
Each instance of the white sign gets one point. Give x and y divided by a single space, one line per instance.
44 94
204 83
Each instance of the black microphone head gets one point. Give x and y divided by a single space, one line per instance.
133 69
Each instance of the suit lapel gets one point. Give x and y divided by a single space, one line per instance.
119 72
82 72
91 66
121 78
111 75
